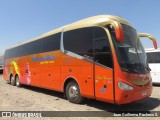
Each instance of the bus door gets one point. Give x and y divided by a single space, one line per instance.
103 66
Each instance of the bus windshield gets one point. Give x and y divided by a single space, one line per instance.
130 53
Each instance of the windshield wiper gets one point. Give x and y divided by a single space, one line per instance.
125 69
131 68
148 68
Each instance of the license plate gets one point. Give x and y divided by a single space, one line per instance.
144 93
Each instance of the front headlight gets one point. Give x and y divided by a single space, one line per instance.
124 86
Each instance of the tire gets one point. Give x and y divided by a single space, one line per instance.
18 84
13 81
73 93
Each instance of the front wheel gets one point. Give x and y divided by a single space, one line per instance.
73 93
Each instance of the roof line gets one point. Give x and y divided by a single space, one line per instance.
87 22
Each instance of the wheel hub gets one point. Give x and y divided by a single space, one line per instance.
73 91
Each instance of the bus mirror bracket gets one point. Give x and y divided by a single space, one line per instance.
149 36
118 29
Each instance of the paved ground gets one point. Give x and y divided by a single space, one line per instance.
29 98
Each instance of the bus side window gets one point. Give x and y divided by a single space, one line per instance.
51 43
157 57
102 49
151 57
80 41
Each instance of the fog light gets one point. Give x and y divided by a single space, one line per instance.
124 86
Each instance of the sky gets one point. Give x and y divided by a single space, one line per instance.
21 20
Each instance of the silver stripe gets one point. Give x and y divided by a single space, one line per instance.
73 54
85 59
61 42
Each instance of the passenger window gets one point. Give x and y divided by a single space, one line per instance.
79 41
151 57
157 58
51 43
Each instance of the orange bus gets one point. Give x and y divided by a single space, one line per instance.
100 57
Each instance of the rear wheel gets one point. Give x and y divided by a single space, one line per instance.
18 84
12 79
73 93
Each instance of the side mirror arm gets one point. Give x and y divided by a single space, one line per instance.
149 36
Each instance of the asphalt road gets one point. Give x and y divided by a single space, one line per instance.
29 98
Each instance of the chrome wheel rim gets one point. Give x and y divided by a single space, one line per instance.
73 91
12 79
17 82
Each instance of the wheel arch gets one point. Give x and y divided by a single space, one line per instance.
69 79
16 76
10 76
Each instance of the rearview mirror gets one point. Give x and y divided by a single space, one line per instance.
149 36
118 29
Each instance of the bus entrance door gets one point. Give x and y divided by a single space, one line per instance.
103 84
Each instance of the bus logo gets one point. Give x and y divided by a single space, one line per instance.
47 58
